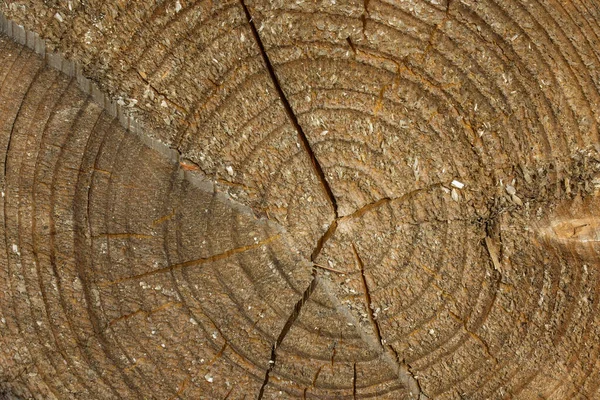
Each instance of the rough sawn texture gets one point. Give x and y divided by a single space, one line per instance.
318 199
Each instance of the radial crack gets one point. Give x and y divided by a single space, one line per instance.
415 379
359 213
436 30
410 380
354 381
197 261
161 94
474 336
290 112
387 200
144 312
286 328
364 16
372 319
323 239
404 374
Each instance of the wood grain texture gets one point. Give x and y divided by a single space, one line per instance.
309 199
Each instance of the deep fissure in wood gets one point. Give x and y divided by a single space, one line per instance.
290 112
367 294
286 328
323 239
415 380
354 381
402 367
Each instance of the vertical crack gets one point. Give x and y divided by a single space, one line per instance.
364 16
420 394
361 267
290 112
354 381
286 328
411 381
323 239
436 29
323 181
404 372
492 249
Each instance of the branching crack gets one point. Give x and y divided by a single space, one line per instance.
290 112
359 213
404 373
286 328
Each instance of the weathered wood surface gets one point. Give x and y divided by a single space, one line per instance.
333 199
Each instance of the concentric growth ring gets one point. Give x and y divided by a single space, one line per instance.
273 199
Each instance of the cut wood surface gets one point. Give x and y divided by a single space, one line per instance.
300 199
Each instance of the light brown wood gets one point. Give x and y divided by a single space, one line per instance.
307 199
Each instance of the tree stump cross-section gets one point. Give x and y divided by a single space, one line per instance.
229 199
